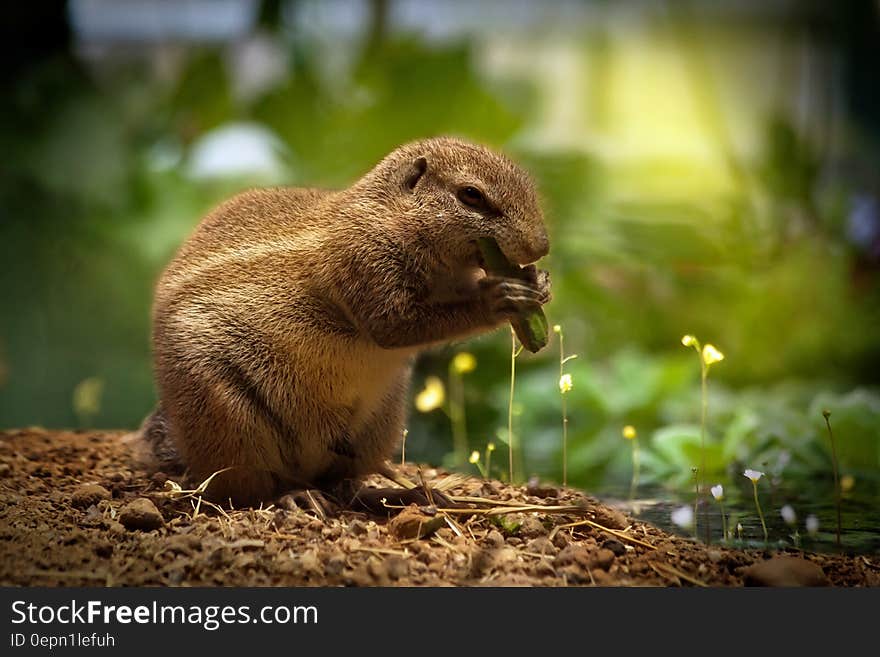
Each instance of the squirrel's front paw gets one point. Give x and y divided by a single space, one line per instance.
508 297
540 278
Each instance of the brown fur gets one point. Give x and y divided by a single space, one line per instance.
285 329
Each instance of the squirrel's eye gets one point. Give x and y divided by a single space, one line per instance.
471 196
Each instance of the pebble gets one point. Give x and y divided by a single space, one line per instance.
785 571
141 514
611 518
573 554
618 548
494 538
397 567
87 495
532 527
603 558
103 548
542 545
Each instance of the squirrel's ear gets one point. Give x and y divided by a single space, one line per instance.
414 172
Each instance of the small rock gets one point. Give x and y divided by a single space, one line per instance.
603 558
785 571
356 528
618 548
103 549
141 514
183 543
115 527
335 564
538 490
611 518
561 539
542 545
494 538
573 554
378 570
310 564
532 527
87 495
397 567
92 515
715 555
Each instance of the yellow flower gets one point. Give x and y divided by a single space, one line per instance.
847 482
464 362
490 447
557 328
475 457
432 396
565 383
629 432
688 340
87 396
711 355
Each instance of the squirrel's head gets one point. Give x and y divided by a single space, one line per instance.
458 192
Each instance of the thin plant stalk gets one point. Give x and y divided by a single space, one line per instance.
701 481
514 352
723 522
564 413
403 447
489 449
827 415
476 459
456 415
634 482
758 506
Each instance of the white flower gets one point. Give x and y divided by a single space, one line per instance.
717 492
565 383
788 515
475 457
812 525
754 475
683 516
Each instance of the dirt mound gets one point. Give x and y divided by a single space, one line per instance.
74 512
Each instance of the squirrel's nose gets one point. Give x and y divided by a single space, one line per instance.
540 245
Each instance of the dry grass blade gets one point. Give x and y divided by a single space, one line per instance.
523 508
666 570
614 532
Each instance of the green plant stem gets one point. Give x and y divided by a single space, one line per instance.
827 416
701 482
513 354
723 522
564 414
758 506
403 447
634 483
457 417
488 463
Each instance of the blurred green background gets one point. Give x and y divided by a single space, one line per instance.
707 168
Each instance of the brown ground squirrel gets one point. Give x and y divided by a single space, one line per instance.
285 329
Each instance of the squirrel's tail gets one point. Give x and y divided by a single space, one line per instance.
153 445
